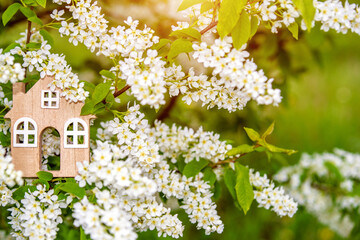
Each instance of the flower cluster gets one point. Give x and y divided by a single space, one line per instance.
274 13
332 14
132 139
104 220
196 197
309 182
50 146
138 67
50 64
235 79
269 196
190 144
105 169
8 175
10 71
37 216
133 166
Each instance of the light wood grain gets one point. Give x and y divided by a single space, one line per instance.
28 159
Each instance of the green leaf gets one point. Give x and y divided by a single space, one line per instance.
41 3
334 170
11 46
252 134
36 20
181 163
254 22
294 29
243 188
10 12
88 108
72 188
27 12
99 108
46 35
88 86
162 43
186 32
230 181
241 32
108 74
31 3
209 176
19 193
179 46
109 100
194 167
244 148
268 131
185 4
307 10
33 45
206 6
100 92
275 149
229 14
47 176
5 140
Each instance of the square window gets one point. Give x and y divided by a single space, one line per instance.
70 139
20 138
81 139
31 139
50 99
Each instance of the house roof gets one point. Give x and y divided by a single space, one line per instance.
23 101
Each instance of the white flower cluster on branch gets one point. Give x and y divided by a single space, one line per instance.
235 80
177 141
332 14
133 166
50 146
50 64
37 215
10 71
309 182
271 197
8 175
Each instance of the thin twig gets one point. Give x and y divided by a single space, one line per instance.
166 112
210 26
121 91
28 36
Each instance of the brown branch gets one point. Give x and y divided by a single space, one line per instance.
210 26
118 93
166 112
121 91
28 36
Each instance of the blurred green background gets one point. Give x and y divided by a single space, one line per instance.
320 80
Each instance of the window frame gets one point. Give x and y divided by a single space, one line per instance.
50 99
26 132
75 133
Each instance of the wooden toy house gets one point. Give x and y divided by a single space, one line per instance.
38 109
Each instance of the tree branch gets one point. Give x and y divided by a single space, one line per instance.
121 91
166 112
211 25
